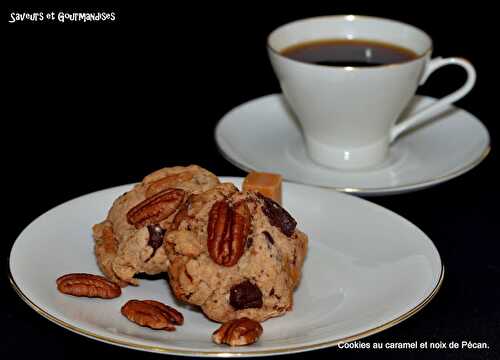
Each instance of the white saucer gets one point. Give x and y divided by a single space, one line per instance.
263 135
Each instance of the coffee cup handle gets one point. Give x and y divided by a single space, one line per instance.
425 114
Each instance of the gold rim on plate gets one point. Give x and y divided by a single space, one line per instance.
284 350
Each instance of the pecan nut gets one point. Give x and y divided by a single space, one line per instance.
278 216
167 182
238 332
88 285
182 214
228 228
153 314
156 208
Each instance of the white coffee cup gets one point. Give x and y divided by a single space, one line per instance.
348 114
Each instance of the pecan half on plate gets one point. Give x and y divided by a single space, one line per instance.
238 332
153 314
88 285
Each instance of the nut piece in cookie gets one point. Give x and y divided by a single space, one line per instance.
156 208
88 285
153 314
238 332
227 229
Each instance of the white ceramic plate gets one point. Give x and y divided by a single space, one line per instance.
367 269
263 135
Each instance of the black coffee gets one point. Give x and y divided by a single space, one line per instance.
336 52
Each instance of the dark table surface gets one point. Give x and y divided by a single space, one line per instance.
90 106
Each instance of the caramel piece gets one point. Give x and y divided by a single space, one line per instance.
267 184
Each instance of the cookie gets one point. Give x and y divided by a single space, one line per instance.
129 241
235 254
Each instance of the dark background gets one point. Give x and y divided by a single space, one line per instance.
90 106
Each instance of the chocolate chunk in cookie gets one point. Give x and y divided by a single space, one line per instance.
245 295
269 238
156 234
278 216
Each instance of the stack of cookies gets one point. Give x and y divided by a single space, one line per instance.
235 254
